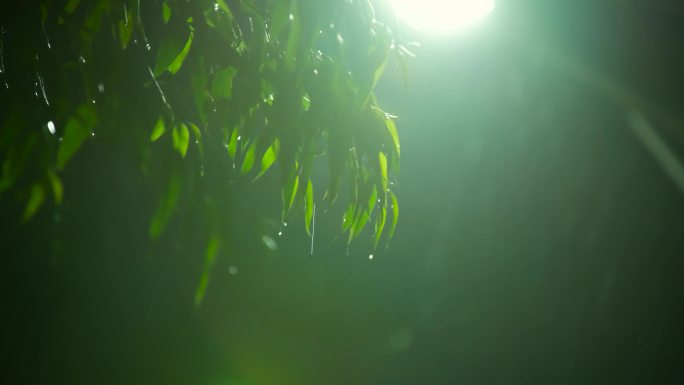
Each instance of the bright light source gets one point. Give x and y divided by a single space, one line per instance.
442 15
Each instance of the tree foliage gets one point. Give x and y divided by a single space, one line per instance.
198 90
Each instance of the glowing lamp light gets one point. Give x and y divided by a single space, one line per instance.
442 16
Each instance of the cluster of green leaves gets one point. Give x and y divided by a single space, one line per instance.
259 82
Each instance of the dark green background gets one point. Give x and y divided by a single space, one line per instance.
539 242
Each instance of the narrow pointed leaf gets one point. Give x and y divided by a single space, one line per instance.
309 202
392 129
395 215
165 207
166 12
382 160
57 187
36 199
379 226
178 61
248 161
210 254
267 160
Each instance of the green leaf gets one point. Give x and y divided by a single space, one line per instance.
71 6
248 161
358 225
382 160
77 129
178 62
268 159
195 130
74 135
166 12
232 143
392 129
158 130
306 102
57 188
224 7
289 194
222 83
379 226
36 198
309 204
372 200
171 54
209 258
395 215
181 139
348 218
165 207
125 29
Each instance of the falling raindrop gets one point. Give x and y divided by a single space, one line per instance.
284 224
100 87
216 7
280 233
291 17
269 242
370 256
81 59
47 38
92 134
233 270
148 46
42 88
51 127
239 137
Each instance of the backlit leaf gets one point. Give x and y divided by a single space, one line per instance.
158 130
392 129
166 12
309 202
36 198
268 159
248 161
232 143
57 188
379 225
222 83
171 54
77 129
395 214
209 258
178 61
165 207
181 139
382 160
